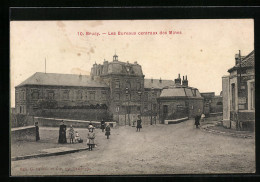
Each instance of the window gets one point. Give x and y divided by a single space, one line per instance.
92 96
117 84
117 96
35 95
145 107
50 95
145 96
138 86
138 108
219 103
165 109
103 96
65 95
128 97
128 84
154 107
22 95
79 95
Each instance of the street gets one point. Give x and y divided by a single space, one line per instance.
157 149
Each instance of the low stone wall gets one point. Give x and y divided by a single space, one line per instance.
55 122
175 121
77 114
27 133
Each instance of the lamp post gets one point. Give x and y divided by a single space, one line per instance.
127 95
140 94
152 92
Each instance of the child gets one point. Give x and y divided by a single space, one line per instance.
77 137
91 137
71 134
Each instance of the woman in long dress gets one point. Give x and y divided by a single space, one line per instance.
62 133
139 123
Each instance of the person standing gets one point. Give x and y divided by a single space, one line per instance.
37 131
62 133
102 125
71 134
91 137
107 130
139 123
197 121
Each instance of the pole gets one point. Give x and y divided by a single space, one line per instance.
128 113
240 69
45 65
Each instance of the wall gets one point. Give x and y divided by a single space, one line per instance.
54 122
27 133
226 101
80 114
20 120
146 120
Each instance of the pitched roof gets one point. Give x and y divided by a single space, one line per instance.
155 83
180 92
247 61
56 79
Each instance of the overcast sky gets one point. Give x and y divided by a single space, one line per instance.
204 50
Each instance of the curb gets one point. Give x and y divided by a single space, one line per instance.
207 129
46 154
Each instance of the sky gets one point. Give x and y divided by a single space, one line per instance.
204 50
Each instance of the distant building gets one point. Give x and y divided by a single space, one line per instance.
239 93
120 86
212 103
179 101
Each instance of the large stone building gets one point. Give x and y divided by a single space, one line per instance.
121 86
239 93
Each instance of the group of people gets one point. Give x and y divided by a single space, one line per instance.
73 135
90 137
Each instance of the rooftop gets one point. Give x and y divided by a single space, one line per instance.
157 83
57 79
180 91
247 61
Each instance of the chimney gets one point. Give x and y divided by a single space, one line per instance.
152 80
237 59
185 81
177 80
135 62
160 80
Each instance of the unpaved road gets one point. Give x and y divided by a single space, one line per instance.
161 149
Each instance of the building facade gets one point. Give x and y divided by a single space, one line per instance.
212 103
239 94
120 86
180 101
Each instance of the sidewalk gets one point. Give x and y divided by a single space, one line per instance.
216 128
48 144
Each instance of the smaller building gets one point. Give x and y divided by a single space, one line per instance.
179 101
212 103
239 94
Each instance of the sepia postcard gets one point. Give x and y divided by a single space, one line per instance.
132 97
